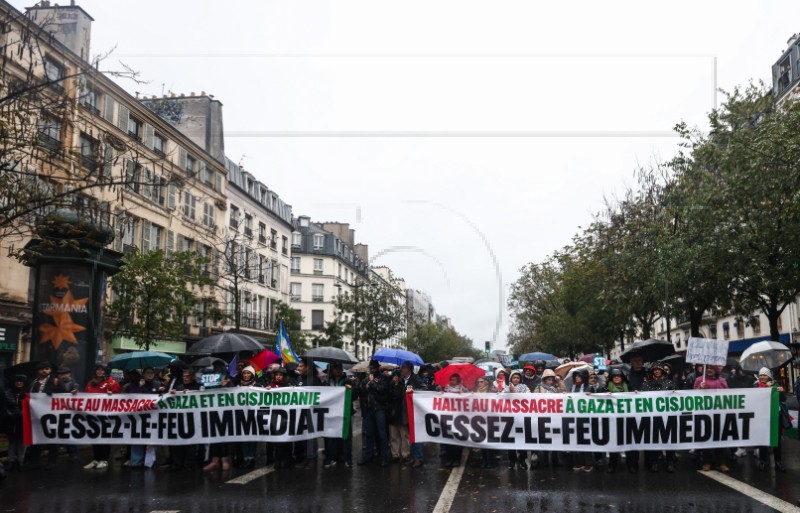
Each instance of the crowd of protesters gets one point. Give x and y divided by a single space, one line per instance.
381 395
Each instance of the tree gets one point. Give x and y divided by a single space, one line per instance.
44 100
375 312
747 165
153 294
434 343
332 334
292 321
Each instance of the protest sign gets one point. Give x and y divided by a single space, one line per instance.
210 416
707 351
597 422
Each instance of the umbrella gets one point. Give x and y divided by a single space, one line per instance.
467 371
624 367
26 368
210 361
769 354
562 370
489 367
140 360
364 366
651 350
529 357
732 361
226 343
588 358
397 356
263 360
676 361
330 354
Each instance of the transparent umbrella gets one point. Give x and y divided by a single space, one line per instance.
769 354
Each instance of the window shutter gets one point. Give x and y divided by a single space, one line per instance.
204 172
215 261
149 135
147 185
171 196
181 158
145 236
122 120
170 242
217 182
108 109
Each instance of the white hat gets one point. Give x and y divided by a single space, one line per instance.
765 372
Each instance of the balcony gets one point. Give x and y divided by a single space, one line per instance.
294 297
248 232
89 162
262 239
317 299
49 143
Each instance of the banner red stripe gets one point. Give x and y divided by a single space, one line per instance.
410 406
27 434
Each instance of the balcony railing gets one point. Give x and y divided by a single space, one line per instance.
317 299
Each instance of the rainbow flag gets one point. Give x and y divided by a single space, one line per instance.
283 347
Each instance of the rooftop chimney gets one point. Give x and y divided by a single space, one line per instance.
70 25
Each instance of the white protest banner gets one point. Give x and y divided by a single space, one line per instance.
209 416
597 422
707 351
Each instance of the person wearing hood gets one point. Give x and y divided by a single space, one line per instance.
580 381
530 377
659 381
245 452
550 384
500 376
616 384
765 381
516 458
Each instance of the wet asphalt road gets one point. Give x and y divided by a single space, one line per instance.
398 489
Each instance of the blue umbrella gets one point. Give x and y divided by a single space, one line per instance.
397 356
529 357
140 360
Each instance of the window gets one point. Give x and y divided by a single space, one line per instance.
317 292
317 266
88 152
234 217
191 165
263 265
297 239
151 236
317 319
189 204
208 215
248 258
159 144
134 127
172 193
248 225
294 292
185 243
285 247
273 239
295 264
262 233
54 72
755 322
89 99
319 240
205 176
740 325
202 252
340 271
50 133
726 331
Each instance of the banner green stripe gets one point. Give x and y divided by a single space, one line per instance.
773 419
346 414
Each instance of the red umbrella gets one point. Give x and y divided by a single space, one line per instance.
263 360
468 373
588 358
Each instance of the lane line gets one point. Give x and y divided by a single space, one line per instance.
445 501
167 511
750 491
250 476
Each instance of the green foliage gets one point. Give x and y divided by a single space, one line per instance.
292 320
153 294
332 334
375 313
434 343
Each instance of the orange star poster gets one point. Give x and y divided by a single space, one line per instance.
62 327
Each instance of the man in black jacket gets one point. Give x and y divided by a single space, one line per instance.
375 388
44 383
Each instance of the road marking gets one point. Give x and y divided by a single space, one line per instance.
445 501
246 478
762 497
167 511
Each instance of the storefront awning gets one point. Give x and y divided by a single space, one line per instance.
738 346
165 346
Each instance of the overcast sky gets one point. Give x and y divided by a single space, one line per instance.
473 137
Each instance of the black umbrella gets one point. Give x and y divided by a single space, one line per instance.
624 367
226 343
651 350
28 369
210 361
677 361
331 355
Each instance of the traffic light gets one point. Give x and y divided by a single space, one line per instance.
488 347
